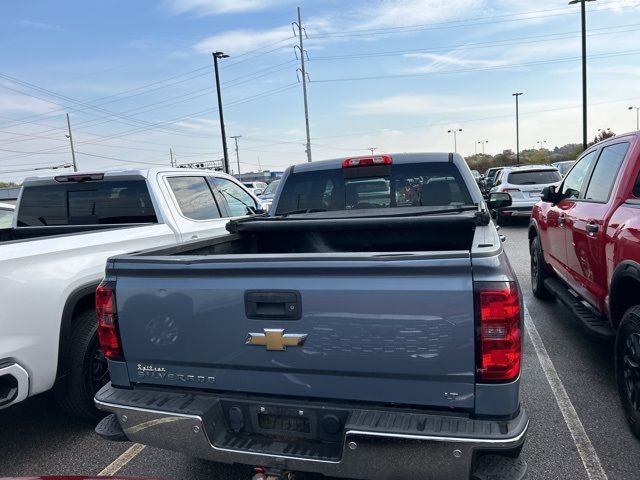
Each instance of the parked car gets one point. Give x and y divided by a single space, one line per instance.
489 178
256 188
51 261
334 333
585 250
6 215
524 185
266 197
564 167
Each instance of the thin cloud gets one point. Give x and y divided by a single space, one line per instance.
25 104
217 7
442 62
38 25
235 42
395 13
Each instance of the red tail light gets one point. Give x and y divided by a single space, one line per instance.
367 161
108 321
499 332
507 190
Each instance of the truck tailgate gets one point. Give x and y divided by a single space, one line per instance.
376 328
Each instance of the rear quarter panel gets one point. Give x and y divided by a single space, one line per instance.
37 277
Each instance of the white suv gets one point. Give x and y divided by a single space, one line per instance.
525 185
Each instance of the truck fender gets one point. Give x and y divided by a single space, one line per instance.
80 299
624 290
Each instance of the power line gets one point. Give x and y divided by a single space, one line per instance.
472 22
164 103
160 124
489 44
476 69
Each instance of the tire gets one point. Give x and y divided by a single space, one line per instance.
88 370
628 367
539 272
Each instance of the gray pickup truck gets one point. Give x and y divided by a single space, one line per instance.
369 327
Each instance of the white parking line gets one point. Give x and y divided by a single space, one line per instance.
586 451
117 465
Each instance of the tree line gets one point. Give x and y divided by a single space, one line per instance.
532 156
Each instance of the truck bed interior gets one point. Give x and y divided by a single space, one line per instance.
342 235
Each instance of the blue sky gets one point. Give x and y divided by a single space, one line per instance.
136 78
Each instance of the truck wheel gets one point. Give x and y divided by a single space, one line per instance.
628 367
88 370
538 271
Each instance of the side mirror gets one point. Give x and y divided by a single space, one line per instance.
548 194
258 191
498 200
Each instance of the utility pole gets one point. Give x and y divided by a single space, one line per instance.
305 79
171 156
216 56
455 138
637 109
236 137
259 166
70 137
583 5
517 129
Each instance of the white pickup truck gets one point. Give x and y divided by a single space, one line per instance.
53 257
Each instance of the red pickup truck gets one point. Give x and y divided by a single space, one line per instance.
584 239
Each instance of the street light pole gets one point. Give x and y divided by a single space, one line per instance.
70 137
540 143
236 137
373 149
455 138
517 95
583 6
637 109
216 56
483 142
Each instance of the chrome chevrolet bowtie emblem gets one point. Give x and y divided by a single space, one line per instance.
276 339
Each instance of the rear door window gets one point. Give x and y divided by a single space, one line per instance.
103 202
605 172
6 218
239 201
538 177
195 198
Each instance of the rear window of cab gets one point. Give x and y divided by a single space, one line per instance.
400 185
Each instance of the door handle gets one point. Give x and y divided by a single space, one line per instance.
272 304
561 220
592 228
194 237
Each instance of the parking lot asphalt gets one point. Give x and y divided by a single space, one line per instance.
577 430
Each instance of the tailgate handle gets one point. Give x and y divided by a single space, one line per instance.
272 304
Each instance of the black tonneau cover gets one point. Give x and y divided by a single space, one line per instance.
341 220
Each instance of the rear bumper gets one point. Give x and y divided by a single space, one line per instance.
518 210
372 443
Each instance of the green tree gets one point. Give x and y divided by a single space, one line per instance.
602 135
8 184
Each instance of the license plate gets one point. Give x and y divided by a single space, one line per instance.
537 193
284 423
